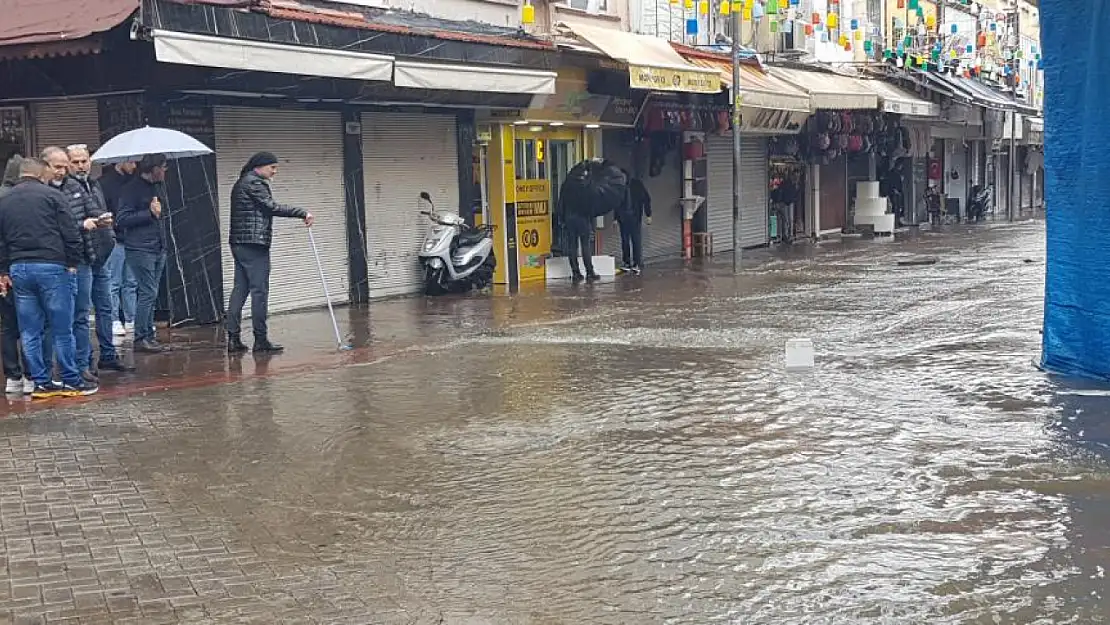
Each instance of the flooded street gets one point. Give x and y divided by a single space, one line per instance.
631 452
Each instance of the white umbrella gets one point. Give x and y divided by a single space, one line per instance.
133 145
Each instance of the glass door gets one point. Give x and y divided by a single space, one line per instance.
563 155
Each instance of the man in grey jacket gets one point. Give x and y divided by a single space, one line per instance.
16 369
251 232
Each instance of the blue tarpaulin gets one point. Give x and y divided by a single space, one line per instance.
1077 187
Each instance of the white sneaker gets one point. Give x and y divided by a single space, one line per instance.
28 386
129 327
118 329
14 387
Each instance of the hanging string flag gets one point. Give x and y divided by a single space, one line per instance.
854 24
692 26
726 7
703 7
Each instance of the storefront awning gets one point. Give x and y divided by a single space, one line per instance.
1036 124
258 56
758 89
45 28
896 100
829 91
652 62
485 79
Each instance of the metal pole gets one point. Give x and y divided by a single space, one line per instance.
736 102
1013 161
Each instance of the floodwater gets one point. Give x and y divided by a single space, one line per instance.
627 453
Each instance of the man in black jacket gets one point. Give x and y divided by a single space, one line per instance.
94 279
252 230
40 249
141 221
630 216
16 369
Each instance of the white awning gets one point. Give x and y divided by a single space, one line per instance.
485 79
896 100
260 56
652 62
830 91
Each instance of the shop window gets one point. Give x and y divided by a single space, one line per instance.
601 6
530 159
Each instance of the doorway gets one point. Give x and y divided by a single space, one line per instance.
563 157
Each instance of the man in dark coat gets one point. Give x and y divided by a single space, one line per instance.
630 215
16 370
142 221
94 280
251 232
40 249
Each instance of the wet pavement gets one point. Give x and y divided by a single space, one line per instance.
630 452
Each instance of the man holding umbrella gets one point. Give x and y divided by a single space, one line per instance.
252 230
142 222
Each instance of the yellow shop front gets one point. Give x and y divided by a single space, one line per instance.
524 156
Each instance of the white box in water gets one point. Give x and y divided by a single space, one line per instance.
558 268
799 354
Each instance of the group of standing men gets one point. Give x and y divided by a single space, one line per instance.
70 244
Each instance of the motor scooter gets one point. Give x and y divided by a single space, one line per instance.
456 256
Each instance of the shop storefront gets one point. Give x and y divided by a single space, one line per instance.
839 138
593 112
522 159
770 107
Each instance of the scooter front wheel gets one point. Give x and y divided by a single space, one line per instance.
433 281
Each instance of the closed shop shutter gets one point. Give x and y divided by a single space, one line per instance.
834 194
663 238
404 154
309 145
753 192
66 122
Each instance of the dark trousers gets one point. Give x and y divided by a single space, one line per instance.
101 293
15 364
252 275
580 233
632 243
147 268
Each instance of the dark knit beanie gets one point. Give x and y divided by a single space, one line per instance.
260 159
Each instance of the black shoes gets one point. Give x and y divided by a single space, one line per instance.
262 345
116 365
147 346
235 344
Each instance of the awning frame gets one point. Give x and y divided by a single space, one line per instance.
822 96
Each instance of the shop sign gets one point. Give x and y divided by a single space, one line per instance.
916 109
533 228
668 79
623 111
772 121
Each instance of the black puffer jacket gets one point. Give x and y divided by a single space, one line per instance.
86 200
253 210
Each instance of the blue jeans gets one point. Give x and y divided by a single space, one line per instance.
81 305
102 301
147 268
123 286
45 293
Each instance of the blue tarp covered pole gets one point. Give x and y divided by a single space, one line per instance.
1077 186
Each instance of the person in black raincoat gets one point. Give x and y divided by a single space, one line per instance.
592 189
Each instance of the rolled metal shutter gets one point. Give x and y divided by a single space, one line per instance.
310 148
404 154
753 192
663 238
66 122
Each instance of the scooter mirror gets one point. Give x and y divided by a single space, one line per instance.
424 196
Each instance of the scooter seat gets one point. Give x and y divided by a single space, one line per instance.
471 238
